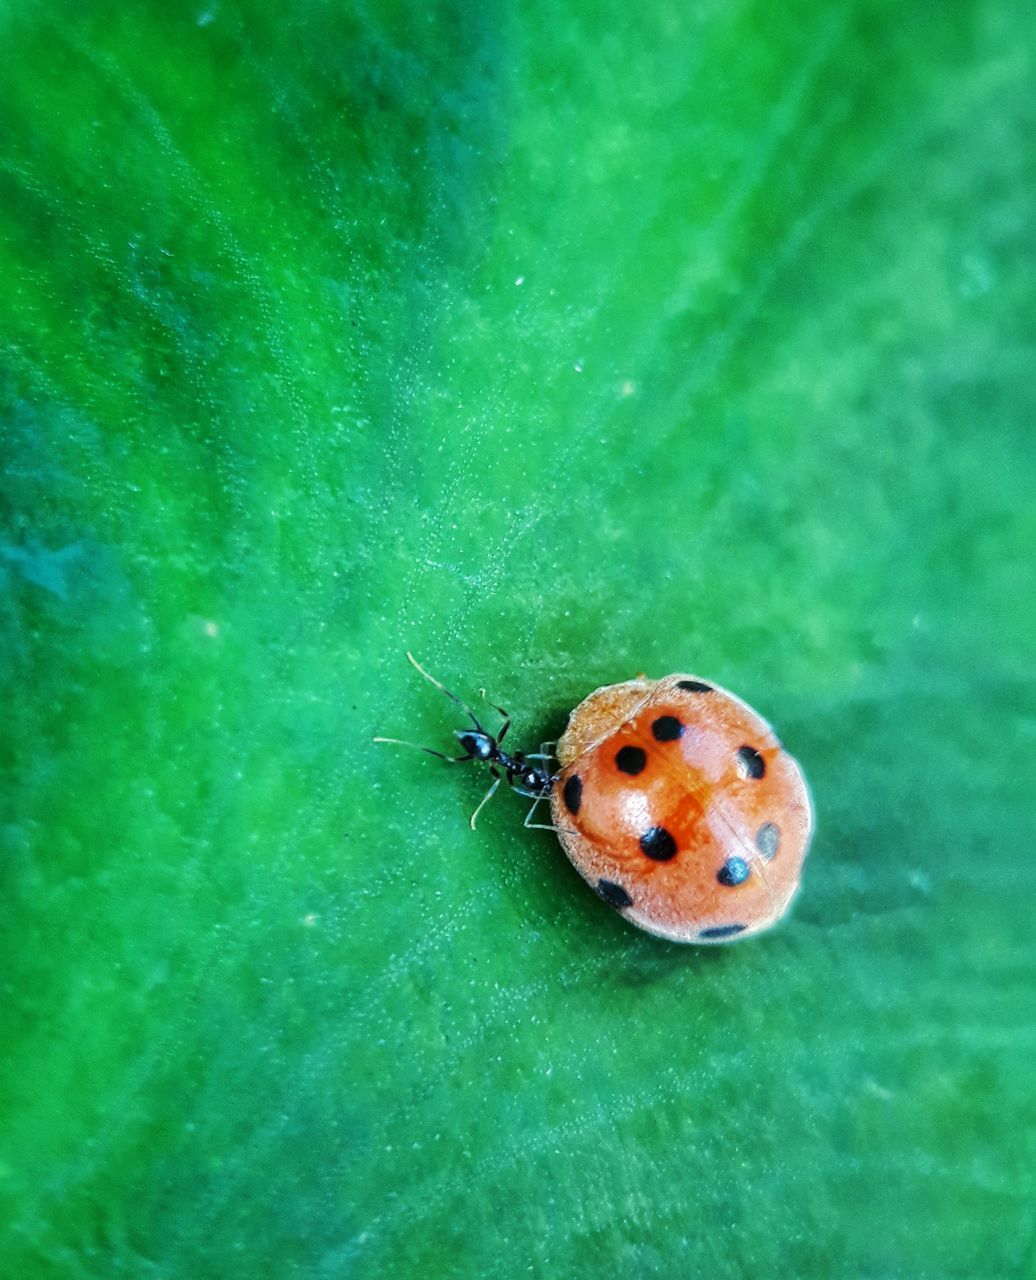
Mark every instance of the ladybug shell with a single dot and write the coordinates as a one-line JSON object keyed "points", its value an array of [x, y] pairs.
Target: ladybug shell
{"points": [[678, 805]]}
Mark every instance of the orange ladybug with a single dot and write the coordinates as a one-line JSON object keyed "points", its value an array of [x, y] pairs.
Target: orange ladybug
{"points": [[676, 802]]}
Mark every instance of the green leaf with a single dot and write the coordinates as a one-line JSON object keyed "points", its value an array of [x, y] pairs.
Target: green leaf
{"points": [[553, 342]]}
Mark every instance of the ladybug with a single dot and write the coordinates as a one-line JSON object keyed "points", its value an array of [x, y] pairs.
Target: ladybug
{"points": [[676, 802], [673, 799]]}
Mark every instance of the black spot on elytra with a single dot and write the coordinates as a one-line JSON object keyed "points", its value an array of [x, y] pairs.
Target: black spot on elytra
{"points": [[572, 793], [614, 894], [694, 686], [734, 871], [768, 840], [750, 763], [722, 931], [631, 760], [666, 729], [658, 844]]}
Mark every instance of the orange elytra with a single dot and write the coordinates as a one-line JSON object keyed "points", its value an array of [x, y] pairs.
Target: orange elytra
{"points": [[676, 802]]}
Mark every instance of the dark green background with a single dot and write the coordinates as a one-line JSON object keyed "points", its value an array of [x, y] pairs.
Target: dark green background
{"points": [[555, 342]]}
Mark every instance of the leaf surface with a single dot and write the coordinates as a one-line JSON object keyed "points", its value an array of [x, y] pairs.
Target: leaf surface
{"points": [[554, 343]]}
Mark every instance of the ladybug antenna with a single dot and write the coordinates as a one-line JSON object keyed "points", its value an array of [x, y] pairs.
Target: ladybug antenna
{"points": [[452, 696]]}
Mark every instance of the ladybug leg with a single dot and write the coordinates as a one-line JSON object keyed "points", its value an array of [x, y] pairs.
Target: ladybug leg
{"points": [[486, 798]]}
